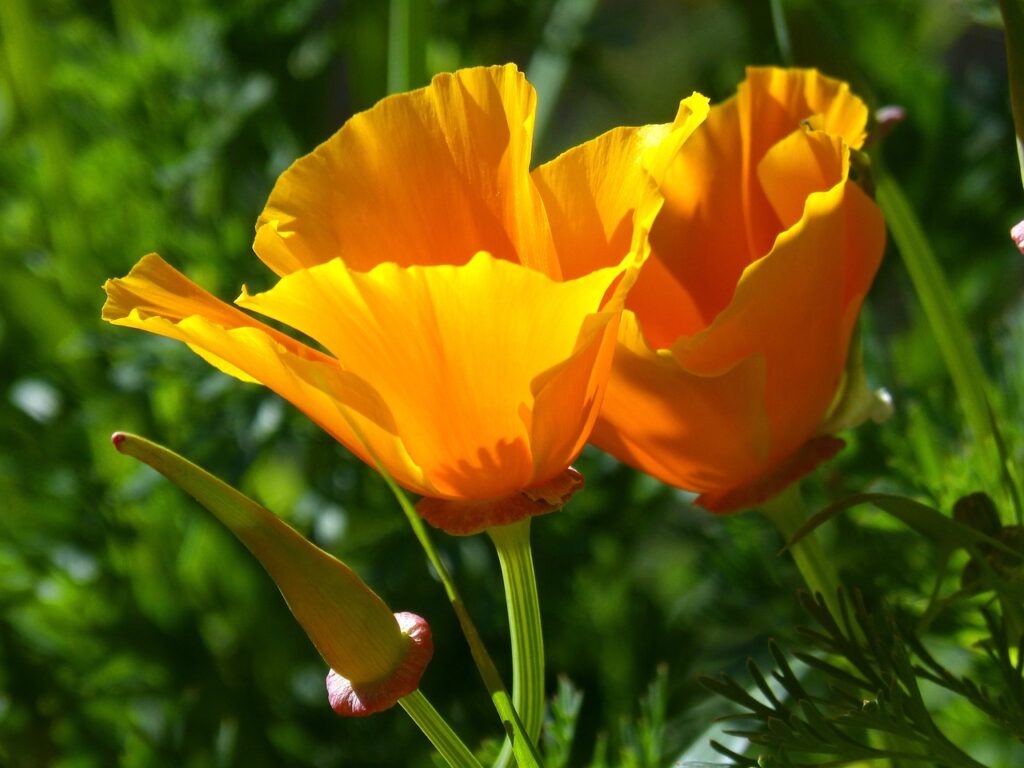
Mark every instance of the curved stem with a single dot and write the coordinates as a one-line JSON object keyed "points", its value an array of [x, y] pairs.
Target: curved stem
{"points": [[787, 512], [436, 728], [512, 543]]}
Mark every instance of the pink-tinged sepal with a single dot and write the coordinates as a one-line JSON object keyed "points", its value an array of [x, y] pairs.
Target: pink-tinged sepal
{"points": [[464, 518], [804, 461], [350, 700], [1017, 233]]}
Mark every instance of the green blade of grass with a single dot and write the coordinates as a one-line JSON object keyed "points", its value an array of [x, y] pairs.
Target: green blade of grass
{"points": [[1013, 21], [950, 332], [407, 45]]}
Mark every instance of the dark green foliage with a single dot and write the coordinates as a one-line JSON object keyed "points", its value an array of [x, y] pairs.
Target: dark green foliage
{"points": [[872, 707]]}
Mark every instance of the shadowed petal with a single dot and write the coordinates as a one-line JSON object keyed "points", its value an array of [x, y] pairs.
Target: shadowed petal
{"points": [[695, 431], [717, 217], [797, 307]]}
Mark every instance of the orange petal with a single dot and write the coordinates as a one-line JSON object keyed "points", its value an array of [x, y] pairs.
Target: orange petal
{"points": [[778, 99], [796, 167], [155, 297], [796, 307], [717, 218], [698, 241], [153, 288], [802, 462], [601, 194], [761, 256], [455, 352], [772, 103], [426, 177], [699, 432], [568, 396]]}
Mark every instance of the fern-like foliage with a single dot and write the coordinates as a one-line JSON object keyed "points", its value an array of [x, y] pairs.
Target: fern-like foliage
{"points": [[870, 706]]}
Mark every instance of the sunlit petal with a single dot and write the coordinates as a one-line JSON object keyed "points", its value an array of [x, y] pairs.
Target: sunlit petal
{"points": [[454, 352], [156, 298], [602, 194], [427, 177]]}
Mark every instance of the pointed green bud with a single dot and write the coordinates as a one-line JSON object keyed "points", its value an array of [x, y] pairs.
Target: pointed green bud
{"points": [[376, 657]]}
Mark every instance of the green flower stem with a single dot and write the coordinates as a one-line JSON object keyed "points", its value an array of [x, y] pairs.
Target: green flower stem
{"points": [[548, 67], [781, 28], [521, 744], [512, 543], [787, 513], [435, 728], [407, 44], [951, 334]]}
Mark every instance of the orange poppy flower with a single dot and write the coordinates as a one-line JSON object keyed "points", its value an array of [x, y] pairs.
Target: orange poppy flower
{"points": [[735, 337], [414, 248]]}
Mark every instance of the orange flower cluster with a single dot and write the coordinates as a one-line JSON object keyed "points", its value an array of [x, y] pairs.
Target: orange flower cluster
{"points": [[686, 291]]}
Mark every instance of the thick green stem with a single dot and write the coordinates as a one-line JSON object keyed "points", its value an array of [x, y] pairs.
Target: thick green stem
{"points": [[951, 335], [435, 728], [512, 543], [787, 512]]}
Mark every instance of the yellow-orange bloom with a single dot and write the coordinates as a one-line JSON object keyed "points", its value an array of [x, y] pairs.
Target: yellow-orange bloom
{"points": [[735, 336], [414, 247]]}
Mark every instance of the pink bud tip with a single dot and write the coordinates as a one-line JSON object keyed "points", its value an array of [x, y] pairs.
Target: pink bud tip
{"points": [[350, 700], [890, 114], [117, 438], [1017, 233], [886, 118]]}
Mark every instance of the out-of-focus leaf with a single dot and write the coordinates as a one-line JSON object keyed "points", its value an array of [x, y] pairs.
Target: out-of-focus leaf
{"points": [[947, 533], [1013, 20]]}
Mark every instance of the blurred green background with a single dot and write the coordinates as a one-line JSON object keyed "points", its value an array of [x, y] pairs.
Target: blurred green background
{"points": [[136, 632]]}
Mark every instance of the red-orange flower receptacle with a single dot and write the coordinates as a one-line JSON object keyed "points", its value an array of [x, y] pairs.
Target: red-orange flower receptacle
{"points": [[414, 247], [735, 336]]}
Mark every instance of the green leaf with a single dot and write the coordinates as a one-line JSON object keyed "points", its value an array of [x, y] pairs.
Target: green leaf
{"points": [[947, 533]]}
